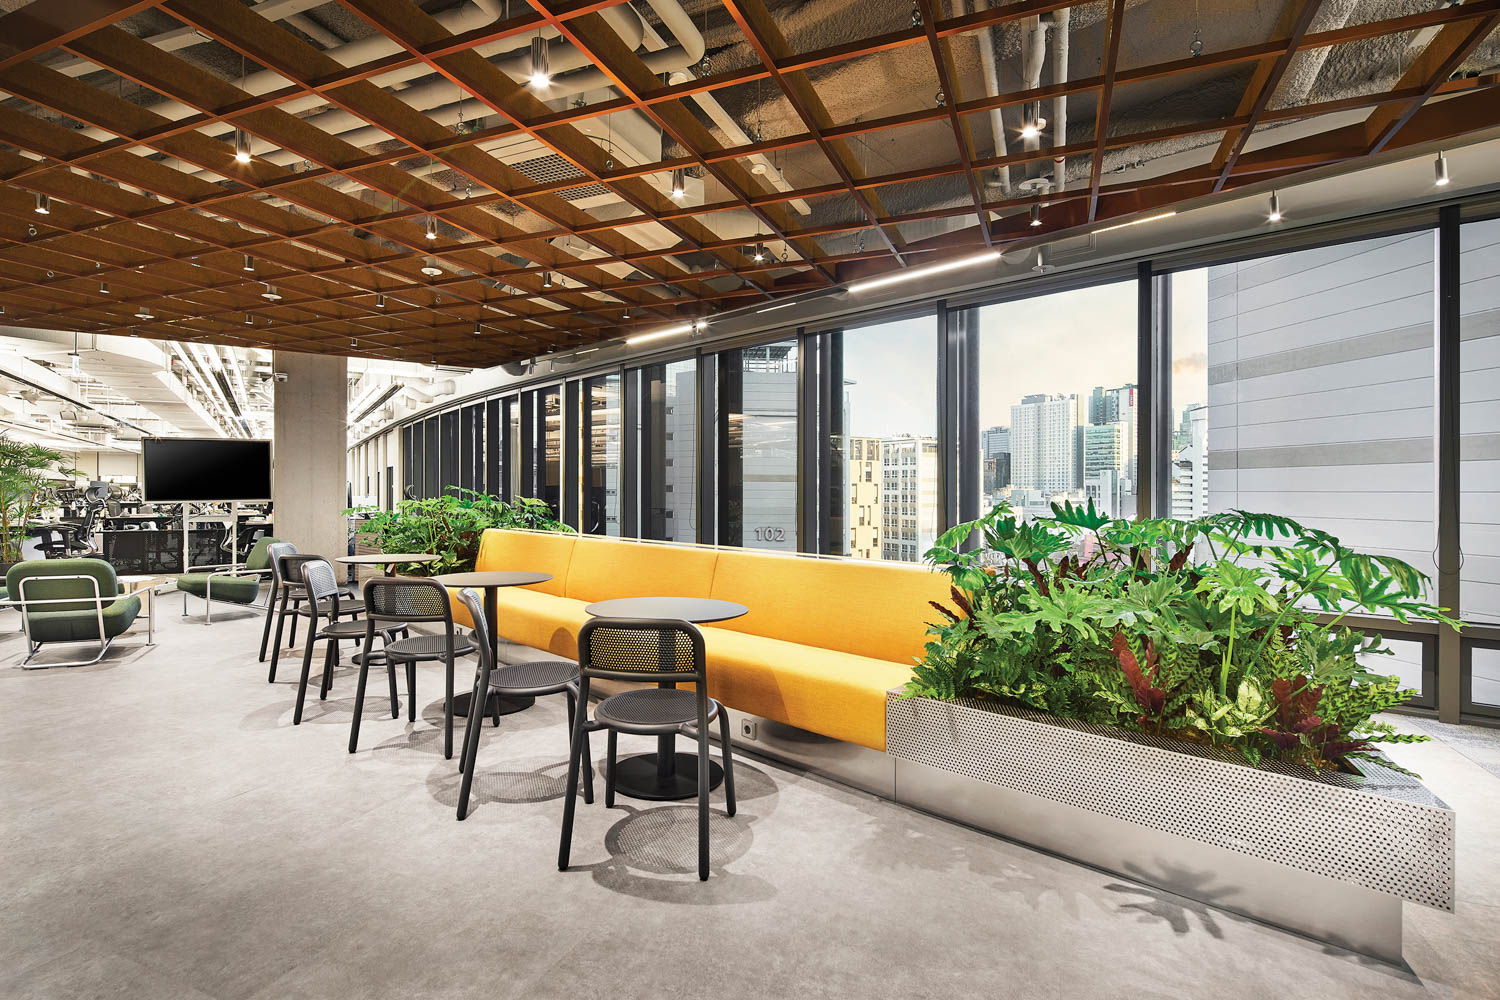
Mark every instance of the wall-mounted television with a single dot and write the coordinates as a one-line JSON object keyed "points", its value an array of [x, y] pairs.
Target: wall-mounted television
{"points": [[178, 470]]}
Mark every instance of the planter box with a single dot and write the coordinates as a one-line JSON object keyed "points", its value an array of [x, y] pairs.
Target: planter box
{"points": [[1326, 854]]}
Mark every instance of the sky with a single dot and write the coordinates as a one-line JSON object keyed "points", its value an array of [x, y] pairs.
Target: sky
{"points": [[1067, 342]]}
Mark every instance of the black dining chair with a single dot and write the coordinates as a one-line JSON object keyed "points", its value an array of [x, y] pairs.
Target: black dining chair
{"points": [[275, 551], [293, 601], [542, 677], [399, 600], [637, 649], [323, 601]]}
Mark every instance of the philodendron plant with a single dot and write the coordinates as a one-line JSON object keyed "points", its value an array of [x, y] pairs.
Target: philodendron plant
{"points": [[450, 526], [1228, 629]]}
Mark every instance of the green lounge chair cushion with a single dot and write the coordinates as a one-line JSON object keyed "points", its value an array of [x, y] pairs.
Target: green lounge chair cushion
{"points": [[235, 589], [76, 626], [74, 620]]}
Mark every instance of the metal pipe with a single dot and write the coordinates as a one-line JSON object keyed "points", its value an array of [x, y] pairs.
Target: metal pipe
{"points": [[1061, 27], [991, 89]]}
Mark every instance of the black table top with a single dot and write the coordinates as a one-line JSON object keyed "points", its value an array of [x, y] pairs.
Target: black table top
{"points": [[686, 609], [385, 558], [493, 578]]}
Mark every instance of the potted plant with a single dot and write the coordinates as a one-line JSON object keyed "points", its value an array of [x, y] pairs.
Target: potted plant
{"points": [[450, 526], [24, 473]]}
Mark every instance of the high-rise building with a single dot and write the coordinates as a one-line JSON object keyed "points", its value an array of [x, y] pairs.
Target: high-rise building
{"points": [[1046, 443], [1105, 450], [994, 447], [1190, 467], [865, 514], [767, 428], [908, 497], [1118, 405]]}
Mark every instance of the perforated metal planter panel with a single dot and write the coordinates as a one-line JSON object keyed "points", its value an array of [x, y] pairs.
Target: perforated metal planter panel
{"points": [[1383, 831]]}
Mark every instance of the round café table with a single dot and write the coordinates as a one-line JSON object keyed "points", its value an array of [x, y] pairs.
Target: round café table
{"points": [[666, 774], [490, 581]]}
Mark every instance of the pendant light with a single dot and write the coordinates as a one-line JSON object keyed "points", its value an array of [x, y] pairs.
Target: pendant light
{"points": [[43, 204], [380, 302], [103, 288], [249, 264], [546, 279], [1440, 170], [241, 146], [270, 294], [541, 63], [1275, 214], [679, 184], [1036, 214], [431, 233]]}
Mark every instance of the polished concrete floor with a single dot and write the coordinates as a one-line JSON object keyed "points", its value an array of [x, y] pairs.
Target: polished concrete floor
{"points": [[166, 832]]}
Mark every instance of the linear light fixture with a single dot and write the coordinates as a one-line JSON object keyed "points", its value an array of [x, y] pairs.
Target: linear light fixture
{"points": [[912, 274], [670, 331], [1135, 222], [775, 306]]}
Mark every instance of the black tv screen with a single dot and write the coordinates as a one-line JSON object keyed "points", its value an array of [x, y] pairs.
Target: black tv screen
{"points": [[202, 469]]}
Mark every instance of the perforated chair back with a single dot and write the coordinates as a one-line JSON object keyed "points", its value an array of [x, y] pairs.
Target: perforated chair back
{"points": [[321, 582], [274, 552], [291, 566], [641, 649], [404, 599], [471, 600]]}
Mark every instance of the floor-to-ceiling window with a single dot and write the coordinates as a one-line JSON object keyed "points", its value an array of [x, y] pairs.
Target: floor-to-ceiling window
{"points": [[1058, 401], [1302, 384], [601, 456], [1479, 456], [879, 469], [666, 450], [757, 481], [549, 447]]}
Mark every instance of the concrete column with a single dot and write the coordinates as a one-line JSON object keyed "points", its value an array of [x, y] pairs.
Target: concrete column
{"points": [[309, 470]]}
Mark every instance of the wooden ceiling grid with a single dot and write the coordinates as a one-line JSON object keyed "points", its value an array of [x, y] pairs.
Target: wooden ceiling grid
{"points": [[134, 210]]}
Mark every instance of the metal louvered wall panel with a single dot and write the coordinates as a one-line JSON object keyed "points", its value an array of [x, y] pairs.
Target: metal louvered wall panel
{"points": [[1384, 832]]}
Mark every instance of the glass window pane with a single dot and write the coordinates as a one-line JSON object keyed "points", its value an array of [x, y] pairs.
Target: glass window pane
{"points": [[1479, 416], [667, 451], [601, 493], [1484, 677], [889, 398], [1058, 400], [758, 453], [549, 448], [1317, 370]]}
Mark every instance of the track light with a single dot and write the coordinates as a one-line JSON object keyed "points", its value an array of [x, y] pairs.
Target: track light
{"points": [[546, 279], [270, 294], [1275, 214], [1036, 214], [679, 183], [249, 264], [380, 302], [921, 272], [431, 228], [541, 63], [241, 146], [43, 204], [1440, 170]]}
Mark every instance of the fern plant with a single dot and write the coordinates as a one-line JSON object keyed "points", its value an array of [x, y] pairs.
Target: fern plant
{"points": [[1207, 630]]}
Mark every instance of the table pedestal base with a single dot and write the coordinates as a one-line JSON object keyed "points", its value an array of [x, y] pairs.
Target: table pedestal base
{"points": [[507, 705], [640, 778]]}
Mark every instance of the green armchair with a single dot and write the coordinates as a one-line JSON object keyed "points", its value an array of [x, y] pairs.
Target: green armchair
{"points": [[240, 587], [67, 601]]}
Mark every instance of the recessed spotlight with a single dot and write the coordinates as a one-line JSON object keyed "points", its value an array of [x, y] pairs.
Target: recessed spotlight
{"points": [[1440, 170], [241, 146], [249, 264], [679, 184], [43, 204], [541, 63], [1275, 214], [270, 294]]}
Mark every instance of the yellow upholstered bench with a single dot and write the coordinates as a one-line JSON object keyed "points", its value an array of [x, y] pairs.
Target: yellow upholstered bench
{"points": [[823, 642]]}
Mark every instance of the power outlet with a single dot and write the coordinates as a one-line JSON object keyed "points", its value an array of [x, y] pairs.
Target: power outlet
{"points": [[748, 729]]}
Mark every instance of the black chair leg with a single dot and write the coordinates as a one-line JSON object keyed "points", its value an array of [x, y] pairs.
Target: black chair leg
{"points": [[276, 649], [477, 707], [727, 751], [702, 799], [609, 771], [494, 703], [302, 684], [330, 657], [359, 697], [411, 690], [570, 798], [588, 765], [473, 726], [390, 672], [292, 639], [265, 633]]}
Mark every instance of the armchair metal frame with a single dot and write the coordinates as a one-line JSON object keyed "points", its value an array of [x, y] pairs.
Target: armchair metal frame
{"points": [[32, 648], [237, 570]]}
